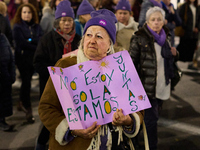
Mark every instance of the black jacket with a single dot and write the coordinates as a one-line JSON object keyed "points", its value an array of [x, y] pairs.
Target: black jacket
{"points": [[188, 24], [26, 39], [49, 51], [6, 29], [143, 54], [7, 76]]}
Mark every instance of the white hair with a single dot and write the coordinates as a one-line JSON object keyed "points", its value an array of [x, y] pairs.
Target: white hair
{"points": [[153, 10]]}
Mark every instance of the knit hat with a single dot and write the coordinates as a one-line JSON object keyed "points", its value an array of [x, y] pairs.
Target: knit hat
{"points": [[85, 8], [123, 5], [104, 18], [64, 9]]}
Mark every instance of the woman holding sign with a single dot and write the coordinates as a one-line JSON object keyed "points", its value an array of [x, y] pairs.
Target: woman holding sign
{"points": [[97, 42], [153, 58]]}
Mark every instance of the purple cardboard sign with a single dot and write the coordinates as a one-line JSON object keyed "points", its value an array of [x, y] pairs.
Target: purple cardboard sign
{"points": [[93, 90]]}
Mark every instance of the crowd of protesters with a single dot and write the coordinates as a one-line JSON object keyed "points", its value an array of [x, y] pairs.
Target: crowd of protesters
{"points": [[35, 34]]}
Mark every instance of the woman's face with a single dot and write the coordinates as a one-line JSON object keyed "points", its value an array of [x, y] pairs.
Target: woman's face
{"points": [[123, 16], [96, 43], [156, 22], [66, 24], [26, 14]]}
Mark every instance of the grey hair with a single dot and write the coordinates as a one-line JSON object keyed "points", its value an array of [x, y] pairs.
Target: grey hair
{"points": [[109, 52], [153, 10]]}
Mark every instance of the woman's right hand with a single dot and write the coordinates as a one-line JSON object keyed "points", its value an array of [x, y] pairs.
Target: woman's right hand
{"points": [[88, 133]]}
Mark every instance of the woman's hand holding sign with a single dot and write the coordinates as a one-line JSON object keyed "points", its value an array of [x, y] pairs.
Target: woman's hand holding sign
{"points": [[120, 119], [88, 133]]}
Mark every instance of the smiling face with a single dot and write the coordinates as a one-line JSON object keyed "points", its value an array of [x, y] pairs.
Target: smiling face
{"points": [[156, 22], [66, 24], [96, 43]]}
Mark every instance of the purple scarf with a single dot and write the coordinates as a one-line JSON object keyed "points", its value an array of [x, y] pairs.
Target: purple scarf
{"points": [[155, 3], [165, 52], [159, 38]]}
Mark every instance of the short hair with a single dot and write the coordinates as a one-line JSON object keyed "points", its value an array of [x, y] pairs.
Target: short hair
{"points": [[18, 19], [3, 8], [153, 10]]}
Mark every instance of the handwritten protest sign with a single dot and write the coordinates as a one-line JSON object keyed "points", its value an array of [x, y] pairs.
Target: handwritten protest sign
{"points": [[93, 90]]}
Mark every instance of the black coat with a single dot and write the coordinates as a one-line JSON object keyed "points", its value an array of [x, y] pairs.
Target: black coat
{"points": [[143, 54], [26, 39], [188, 25], [6, 29], [49, 51], [7, 76]]}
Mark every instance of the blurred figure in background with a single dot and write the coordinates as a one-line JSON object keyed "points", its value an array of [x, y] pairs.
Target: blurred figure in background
{"points": [[47, 19], [172, 17], [136, 8], [7, 78], [109, 4], [83, 13], [12, 8], [49, 16], [26, 34], [126, 25], [191, 25], [4, 23], [38, 4], [60, 40], [95, 4], [54, 4]]}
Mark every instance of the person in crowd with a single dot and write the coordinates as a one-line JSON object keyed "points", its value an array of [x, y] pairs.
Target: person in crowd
{"points": [[136, 8], [172, 17], [4, 23], [97, 42], [126, 25], [109, 4], [83, 13], [38, 4], [26, 35], [60, 40], [153, 58], [190, 15], [146, 4], [94, 3], [7, 78], [47, 19], [54, 4]]}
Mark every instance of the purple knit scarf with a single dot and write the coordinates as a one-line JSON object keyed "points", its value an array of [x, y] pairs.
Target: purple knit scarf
{"points": [[159, 38], [155, 3]]}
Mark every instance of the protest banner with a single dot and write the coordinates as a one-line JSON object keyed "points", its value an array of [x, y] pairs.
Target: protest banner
{"points": [[93, 90]]}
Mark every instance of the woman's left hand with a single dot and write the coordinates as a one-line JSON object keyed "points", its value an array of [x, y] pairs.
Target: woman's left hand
{"points": [[173, 50], [119, 119]]}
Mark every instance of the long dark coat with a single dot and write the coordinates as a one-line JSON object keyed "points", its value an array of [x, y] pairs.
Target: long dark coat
{"points": [[7, 77], [49, 51], [188, 43]]}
